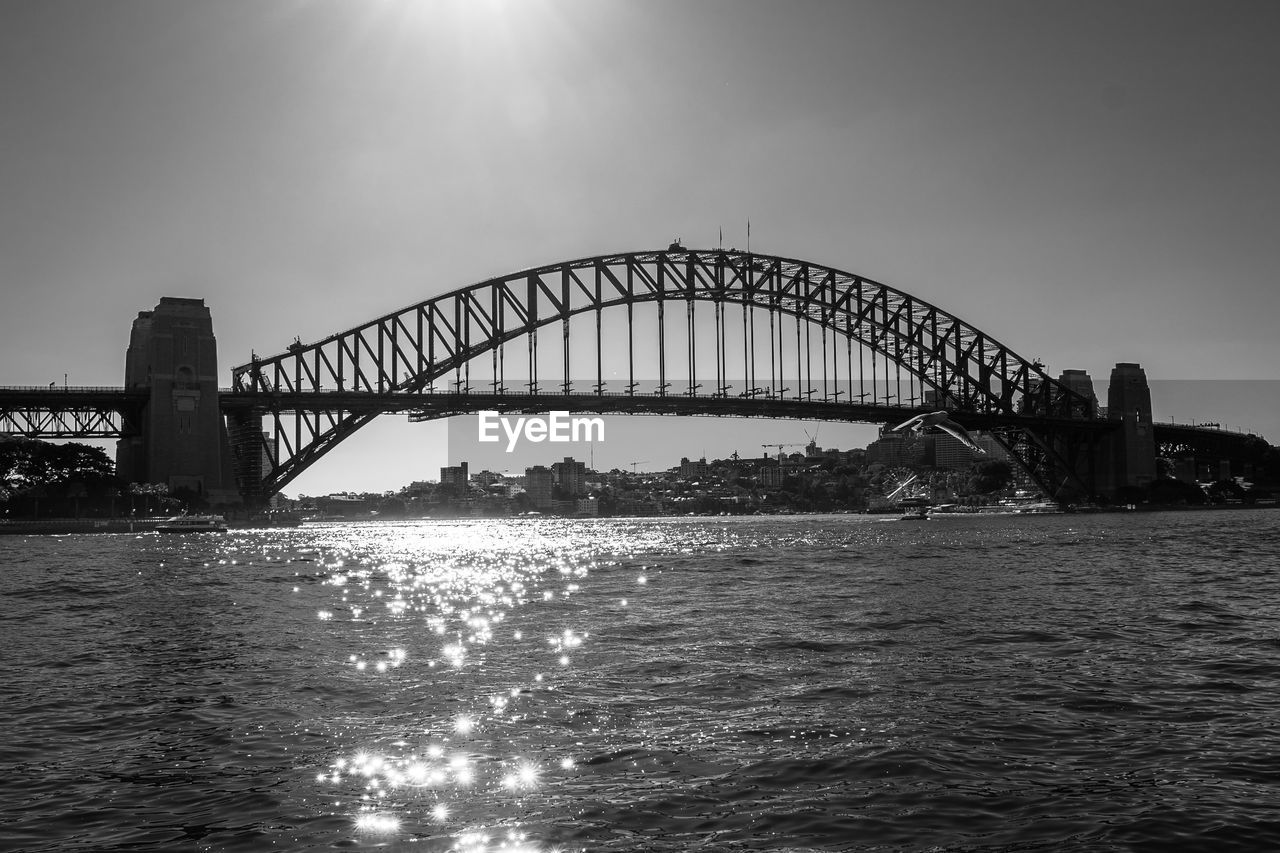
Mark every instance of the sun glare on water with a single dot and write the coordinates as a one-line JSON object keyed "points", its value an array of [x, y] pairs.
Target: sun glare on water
{"points": [[459, 695]]}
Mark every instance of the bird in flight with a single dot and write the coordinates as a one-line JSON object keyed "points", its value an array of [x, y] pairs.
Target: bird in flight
{"points": [[942, 421]]}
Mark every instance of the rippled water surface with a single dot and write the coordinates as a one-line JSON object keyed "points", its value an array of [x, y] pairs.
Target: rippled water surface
{"points": [[1099, 682]]}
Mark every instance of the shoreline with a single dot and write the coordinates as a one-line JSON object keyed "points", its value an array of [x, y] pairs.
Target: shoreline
{"points": [[63, 526]]}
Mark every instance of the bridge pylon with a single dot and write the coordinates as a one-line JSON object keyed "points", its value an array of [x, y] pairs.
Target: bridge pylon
{"points": [[182, 442], [1131, 450]]}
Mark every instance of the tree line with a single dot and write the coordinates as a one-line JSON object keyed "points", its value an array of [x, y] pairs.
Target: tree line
{"points": [[39, 479]]}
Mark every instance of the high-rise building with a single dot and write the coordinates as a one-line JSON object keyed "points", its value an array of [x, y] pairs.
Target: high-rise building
{"points": [[455, 477], [896, 448], [571, 476], [995, 450], [538, 482], [950, 452]]}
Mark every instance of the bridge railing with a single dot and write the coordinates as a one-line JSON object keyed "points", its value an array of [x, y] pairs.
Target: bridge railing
{"points": [[1202, 427], [1208, 427], [69, 388]]}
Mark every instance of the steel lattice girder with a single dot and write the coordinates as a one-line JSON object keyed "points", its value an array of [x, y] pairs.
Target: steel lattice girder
{"points": [[410, 349], [71, 412], [65, 423]]}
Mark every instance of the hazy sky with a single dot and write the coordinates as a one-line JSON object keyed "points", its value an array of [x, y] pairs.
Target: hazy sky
{"points": [[1088, 182]]}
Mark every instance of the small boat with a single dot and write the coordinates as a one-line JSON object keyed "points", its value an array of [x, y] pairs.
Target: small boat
{"points": [[193, 524]]}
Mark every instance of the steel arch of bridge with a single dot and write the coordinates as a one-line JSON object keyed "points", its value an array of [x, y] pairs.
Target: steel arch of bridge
{"points": [[334, 386]]}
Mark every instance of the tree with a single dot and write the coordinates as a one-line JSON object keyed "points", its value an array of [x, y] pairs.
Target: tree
{"points": [[1171, 491], [392, 507], [989, 475], [60, 476], [151, 493], [1221, 490], [1126, 495]]}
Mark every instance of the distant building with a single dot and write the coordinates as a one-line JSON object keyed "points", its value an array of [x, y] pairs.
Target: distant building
{"points": [[995, 450], [538, 483], [454, 477], [891, 448], [487, 478], [571, 476], [771, 476], [950, 452], [856, 456], [690, 470]]}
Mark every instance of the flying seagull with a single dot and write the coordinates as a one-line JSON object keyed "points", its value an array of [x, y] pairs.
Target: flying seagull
{"points": [[942, 421]]}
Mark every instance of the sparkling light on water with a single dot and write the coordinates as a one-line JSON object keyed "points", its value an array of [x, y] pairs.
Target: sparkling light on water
{"points": [[374, 822], [439, 598]]}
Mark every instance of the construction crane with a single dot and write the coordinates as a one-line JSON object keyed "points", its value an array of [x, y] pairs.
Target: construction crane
{"points": [[812, 447], [780, 446], [634, 464]]}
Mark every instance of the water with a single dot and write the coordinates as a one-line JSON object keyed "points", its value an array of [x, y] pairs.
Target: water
{"points": [[1104, 682]]}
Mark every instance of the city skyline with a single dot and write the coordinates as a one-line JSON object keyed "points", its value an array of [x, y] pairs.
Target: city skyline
{"points": [[1089, 183]]}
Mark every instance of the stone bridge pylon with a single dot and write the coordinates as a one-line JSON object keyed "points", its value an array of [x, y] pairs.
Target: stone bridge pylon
{"points": [[182, 440]]}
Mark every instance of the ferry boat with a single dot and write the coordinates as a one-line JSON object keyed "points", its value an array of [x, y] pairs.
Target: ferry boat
{"points": [[1040, 508], [193, 524], [914, 509]]}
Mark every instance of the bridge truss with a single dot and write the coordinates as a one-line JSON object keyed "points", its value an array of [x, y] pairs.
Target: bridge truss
{"points": [[71, 412], [676, 331]]}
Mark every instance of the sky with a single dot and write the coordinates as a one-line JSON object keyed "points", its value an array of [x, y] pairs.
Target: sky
{"points": [[1087, 182]]}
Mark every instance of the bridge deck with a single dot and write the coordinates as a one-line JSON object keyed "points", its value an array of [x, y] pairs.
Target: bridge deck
{"points": [[430, 406], [71, 412], [32, 399]]}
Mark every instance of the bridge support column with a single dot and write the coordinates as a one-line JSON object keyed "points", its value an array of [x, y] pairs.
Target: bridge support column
{"points": [[183, 442], [248, 458]]}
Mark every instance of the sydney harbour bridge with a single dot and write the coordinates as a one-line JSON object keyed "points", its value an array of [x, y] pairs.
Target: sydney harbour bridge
{"points": [[664, 332]]}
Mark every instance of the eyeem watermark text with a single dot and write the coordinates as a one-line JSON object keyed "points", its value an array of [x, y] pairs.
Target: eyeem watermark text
{"points": [[556, 427]]}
